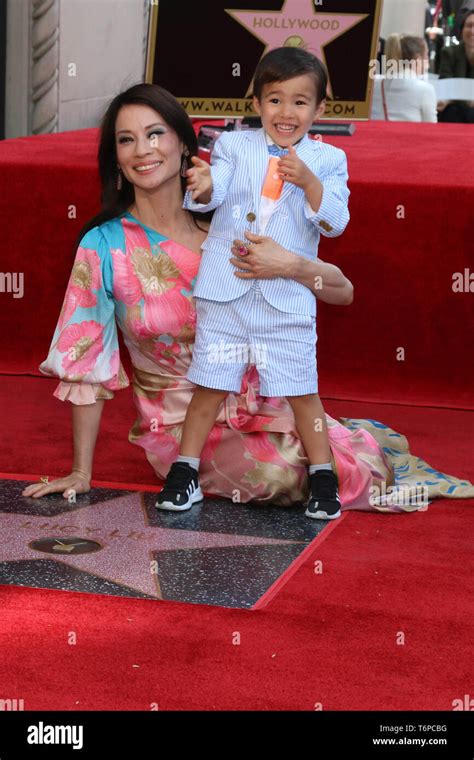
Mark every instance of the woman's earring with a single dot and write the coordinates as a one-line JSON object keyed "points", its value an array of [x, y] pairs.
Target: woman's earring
{"points": [[119, 179], [184, 165]]}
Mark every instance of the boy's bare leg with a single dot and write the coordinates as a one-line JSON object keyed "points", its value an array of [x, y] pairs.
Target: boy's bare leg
{"points": [[312, 428], [323, 502], [200, 418], [182, 488]]}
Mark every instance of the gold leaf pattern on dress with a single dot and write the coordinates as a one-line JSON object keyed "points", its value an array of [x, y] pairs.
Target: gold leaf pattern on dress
{"points": [[146, 345], [161, 383], [167, 353], [135, 326], [186, 334], [81, 275], [294, 455], [148, 384], [280, 480], [80, 347], [122, 377], [157, 274], [103, 393], [176, 432], [135, 432], [133, 314]]}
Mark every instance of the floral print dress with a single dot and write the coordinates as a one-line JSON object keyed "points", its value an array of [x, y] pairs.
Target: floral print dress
{"points": [[128, 276]]}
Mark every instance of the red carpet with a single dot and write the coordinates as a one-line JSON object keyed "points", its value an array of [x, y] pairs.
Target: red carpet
{"points": [[35, 437], [402, 268], [327, 638]]}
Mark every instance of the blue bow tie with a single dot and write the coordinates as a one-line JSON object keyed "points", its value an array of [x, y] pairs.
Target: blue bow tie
{"points": [[274, 150]]}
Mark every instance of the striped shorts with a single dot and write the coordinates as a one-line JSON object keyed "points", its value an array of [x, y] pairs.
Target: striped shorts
{"points": [[231, 335]]}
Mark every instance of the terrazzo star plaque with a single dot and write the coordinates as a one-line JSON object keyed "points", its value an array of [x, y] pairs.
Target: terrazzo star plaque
{"points": [[226, 42], [116, 542]]}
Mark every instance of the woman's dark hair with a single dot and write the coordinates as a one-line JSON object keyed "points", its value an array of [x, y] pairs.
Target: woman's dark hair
{"points": [[465, 12], [285, 63], [115, 202]]}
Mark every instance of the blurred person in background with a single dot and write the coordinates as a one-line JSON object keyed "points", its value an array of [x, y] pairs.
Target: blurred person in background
{"points": [[435, 23], [458, 61], [401, 92]]}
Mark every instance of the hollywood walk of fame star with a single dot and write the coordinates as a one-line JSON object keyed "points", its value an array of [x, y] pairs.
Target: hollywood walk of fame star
{"points": [[297, 24], [121, 527]]}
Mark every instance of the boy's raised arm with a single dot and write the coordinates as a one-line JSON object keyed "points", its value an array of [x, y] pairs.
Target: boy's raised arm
{"points": [[210, 185]]}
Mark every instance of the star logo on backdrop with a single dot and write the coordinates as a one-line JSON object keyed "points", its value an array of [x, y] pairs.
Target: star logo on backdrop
{"points": [[297, 24]]}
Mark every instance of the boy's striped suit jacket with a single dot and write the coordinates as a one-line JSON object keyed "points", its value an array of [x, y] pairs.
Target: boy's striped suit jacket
{"points": [[239, 166]]}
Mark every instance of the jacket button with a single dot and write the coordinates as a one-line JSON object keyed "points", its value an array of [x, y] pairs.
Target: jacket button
{"points": [[325, 226], [251, 216]]}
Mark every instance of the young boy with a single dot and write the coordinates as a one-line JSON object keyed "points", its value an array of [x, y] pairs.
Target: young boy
{"points": [[276, 315]]}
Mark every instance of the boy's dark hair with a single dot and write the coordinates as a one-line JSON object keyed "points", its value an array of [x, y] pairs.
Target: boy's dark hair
{"points": [[285, 63]]}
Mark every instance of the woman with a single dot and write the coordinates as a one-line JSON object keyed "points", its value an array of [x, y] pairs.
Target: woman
{"points": [[458, 61], [134, 268], [400, 94]]}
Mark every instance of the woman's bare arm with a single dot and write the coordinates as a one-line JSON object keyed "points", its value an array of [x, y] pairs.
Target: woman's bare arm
{"points": [[267, 259], [326, 281], [85, 425]]}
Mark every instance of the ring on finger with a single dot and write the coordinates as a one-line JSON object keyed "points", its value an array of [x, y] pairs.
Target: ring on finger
{"points": [[44, 479]]}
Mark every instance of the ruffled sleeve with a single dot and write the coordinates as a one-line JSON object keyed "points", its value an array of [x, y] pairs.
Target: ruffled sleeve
{"points": [[84, 352]]}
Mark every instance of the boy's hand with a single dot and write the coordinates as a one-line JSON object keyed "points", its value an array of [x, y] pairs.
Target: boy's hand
{"points": [[293, 169], [199, 180]]}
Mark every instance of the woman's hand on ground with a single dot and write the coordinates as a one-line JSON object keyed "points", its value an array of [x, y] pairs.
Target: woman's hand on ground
{"points": [[76, 482]]}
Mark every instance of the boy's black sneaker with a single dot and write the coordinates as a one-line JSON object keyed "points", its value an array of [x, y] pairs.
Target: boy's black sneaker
{"points": [[323, 503], [181, 489]]}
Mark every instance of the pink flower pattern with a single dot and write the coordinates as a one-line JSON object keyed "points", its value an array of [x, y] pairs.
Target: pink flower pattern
{"points": [[85, 279], [157, 280], [82, 344]]}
